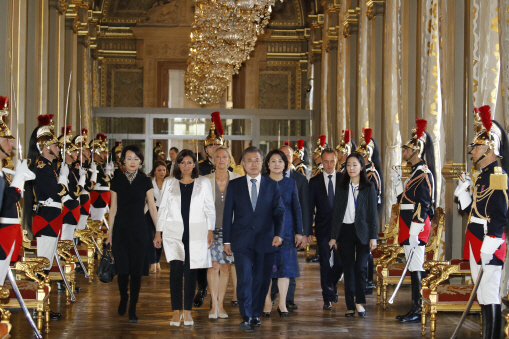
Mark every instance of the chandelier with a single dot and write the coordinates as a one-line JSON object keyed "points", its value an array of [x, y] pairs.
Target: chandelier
{"points": [[223, 35]]}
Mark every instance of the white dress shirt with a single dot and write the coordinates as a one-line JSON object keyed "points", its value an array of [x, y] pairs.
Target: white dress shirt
{"points": [[157, 192], [350, 207], [249, 184], [326, 179]]}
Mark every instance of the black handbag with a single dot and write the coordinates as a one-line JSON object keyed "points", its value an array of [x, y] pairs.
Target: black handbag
{"points": [[106, 269]]}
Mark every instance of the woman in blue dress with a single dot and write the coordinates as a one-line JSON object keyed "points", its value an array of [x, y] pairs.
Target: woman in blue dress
{"points": [[285, 265]]}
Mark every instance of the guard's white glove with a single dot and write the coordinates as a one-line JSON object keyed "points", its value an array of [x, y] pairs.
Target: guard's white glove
{"points": [[413, 241], [63, 177], [396, 180], [462, 191], [108, 169], [21, 175], [83, 177], [93, 170], [489, 246]]}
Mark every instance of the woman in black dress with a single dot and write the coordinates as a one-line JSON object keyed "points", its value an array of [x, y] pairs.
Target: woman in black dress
{"points": [[131, 238]]}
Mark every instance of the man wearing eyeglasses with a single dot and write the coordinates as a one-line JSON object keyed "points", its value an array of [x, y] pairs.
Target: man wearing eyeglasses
{"points": [[252, 229]]}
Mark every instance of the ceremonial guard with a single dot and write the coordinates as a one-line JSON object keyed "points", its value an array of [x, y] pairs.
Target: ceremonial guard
{"points": [[371, 154], [298, 158], [317, 155], [116, 151], [157, 152], [48, 188], [212, 141], [485, 199], [344, 149], [100, 195], [12, 190], [84, 159], [416, 199]]}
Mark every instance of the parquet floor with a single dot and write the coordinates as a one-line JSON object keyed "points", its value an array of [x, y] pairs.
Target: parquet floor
{"points": [[94, 315]]}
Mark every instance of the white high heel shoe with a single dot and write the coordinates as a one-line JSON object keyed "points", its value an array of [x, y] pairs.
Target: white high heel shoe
{"points": [[188, 323], [177, 323], [214, 315]]}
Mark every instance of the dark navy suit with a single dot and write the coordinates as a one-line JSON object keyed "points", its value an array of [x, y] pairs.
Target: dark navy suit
{"points": [[250, 234]]}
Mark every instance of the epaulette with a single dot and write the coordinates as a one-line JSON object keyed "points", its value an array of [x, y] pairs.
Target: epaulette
{"points": [[498, 180], [40, 164], [77, 165], [200, 161], [425, 169]]}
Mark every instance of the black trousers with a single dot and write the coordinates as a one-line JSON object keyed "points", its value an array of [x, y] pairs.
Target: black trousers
{"points": [[179, 270], [329, 276], [354, 255]]}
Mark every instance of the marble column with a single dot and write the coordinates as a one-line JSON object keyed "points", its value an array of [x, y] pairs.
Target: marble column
{"points": [[71, 65], [324, 88], [350, 28]]}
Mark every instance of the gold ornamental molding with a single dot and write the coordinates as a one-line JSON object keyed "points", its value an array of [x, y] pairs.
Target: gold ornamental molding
{"points": [[351, 22], [321, 19], [375, 7], [331, 39], [114, 32], [288, 35], [453, 170]]}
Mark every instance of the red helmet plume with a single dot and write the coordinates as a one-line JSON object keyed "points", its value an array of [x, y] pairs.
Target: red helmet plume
{"points": [[420, 127], [322, 139], [300, 143], [216, 119], [347, 136], [367, 135], [485, 115], [66, 131], [159, 143], [4, 102], [100, 136], [287, 143], [44, 120], [84, 131]]}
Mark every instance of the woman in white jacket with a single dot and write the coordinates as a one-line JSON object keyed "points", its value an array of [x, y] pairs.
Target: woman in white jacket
{"points": [[186, 218]]}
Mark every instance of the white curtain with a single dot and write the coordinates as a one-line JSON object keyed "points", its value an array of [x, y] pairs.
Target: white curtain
{"points": [[362, 82], [392, 97], [504, 56]]}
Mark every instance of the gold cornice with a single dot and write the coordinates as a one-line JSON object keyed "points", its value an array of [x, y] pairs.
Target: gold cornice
{"points": [[298, 56], [453, 170], [288, 35], [114, 32], [320, 19], [331, 39], [351, 22], [375, 7]]}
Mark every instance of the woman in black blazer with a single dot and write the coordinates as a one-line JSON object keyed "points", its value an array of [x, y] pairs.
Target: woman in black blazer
{"points": [[355, 230]]}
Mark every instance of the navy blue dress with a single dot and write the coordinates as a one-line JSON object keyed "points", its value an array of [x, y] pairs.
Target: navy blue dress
{"points": [[286, 264]]}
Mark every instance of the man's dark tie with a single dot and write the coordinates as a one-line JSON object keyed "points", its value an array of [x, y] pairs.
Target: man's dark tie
{"points": [[254, 194], [330, 192]]}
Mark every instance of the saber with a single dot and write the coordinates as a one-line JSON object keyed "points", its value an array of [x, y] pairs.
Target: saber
{"points": [[65, 117], [73, 298], [97, 246], [17, 122], [106, 223], [469, 305], [22, 304], [391, 300], [81, 151], [81, 261]]}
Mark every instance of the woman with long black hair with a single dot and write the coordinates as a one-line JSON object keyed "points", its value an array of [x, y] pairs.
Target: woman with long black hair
{"points": [[355, 230]]}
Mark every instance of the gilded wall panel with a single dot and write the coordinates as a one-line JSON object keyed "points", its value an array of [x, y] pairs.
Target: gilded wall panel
{"points": [[280, 85], [121, 83]]}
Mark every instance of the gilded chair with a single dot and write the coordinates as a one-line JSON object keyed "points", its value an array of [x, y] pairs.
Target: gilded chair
{"points": [[64, 249], [388, 236], [86, 250], [438, 295], [389, 272]]}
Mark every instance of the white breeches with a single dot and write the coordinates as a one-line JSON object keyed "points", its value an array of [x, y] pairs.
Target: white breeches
{"points": [[46, 247], [489, 288], [417, 258], [67, 232], [97, 213], [82, 223]]}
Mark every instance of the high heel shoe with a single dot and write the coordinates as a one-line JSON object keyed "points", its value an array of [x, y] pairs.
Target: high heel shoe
{"points": [[266, 314], [177, 323], [283, 314], [213, 315], [222, 315], [188, 323]]}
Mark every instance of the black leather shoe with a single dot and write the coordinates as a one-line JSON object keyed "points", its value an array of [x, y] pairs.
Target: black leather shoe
{"points": [[266, 314], [257, 322], [235, 303], [399, 317], [291, 306], [283, 314], [77, 290], [370, 284], [247, 325], [198, 298], [327, 306], [336, 295], [350, 313], [132, 314], [78, 268], [316, 258], [361, 314], [55, 315]]}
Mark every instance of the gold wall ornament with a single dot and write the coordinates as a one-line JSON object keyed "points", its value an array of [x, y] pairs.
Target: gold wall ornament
{"points": [[351, 22], [453, 170], [375, 7]]}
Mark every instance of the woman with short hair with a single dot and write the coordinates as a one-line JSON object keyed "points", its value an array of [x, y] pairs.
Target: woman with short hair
{"points": [[186, 218], [129, 233]]}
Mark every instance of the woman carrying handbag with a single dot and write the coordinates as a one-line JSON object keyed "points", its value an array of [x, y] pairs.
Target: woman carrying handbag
{"points": [[355, 230]]}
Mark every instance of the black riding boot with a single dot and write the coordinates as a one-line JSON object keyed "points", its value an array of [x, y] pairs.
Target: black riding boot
{"points": [[415, 315], [123, 282], [135, 292], [484, 319], [399, 317], [493, 321]]}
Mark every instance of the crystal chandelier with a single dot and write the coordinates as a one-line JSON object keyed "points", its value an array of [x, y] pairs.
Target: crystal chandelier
{"points": [[223, 35]]}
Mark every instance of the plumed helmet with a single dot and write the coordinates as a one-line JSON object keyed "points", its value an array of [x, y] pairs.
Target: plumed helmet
{"points": [[418, 140], [345, 146], [215, 136], [299, 149], [5, 132], [366, 144], [321, 145], [489, 134]]}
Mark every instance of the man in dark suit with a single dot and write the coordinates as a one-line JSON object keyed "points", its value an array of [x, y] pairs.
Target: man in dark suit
{"points": [[303, 191], [170, 164], [322, 191], [253, 229]]}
